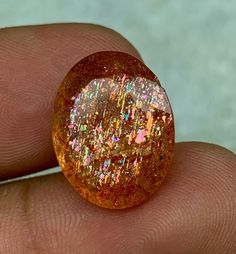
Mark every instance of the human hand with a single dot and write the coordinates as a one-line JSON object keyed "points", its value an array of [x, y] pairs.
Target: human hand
{"points": [[194, 211]]}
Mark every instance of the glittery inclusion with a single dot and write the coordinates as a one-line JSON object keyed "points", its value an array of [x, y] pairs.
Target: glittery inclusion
{"points": [[113, 130]]}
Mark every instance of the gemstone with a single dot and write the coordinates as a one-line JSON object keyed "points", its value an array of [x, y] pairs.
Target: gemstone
{"points": [[113, 130]]}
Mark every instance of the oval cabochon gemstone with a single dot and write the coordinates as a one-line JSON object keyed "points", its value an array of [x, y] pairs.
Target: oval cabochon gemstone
{"points": [[113, 130]]}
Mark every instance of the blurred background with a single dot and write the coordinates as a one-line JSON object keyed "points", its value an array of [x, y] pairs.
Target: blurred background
{"points": [[190, 45]]}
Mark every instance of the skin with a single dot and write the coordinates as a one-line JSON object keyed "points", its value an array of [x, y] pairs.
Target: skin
{"points": [[194, 211]]}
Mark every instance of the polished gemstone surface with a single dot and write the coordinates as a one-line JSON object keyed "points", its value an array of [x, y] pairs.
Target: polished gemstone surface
{"points": [[113, 130]]}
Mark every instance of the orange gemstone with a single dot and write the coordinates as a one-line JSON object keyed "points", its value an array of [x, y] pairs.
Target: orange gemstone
{"points": [[113, 130]]}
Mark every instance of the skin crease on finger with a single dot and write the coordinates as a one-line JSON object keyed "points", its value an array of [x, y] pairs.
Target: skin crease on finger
{"points": [[193, 212], [33, 63]]}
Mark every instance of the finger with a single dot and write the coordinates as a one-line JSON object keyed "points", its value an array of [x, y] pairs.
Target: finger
{"points": [[33, 62], [193, 212]]}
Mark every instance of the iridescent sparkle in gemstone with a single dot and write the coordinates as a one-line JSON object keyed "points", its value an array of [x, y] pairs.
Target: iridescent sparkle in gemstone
{"points": [[113, 130]]}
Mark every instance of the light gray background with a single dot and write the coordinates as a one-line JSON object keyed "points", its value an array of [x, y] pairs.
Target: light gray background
{"points": [[190, 45]]}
